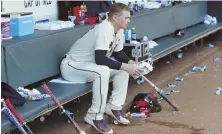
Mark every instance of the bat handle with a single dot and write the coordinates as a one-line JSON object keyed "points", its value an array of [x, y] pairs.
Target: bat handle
{"points": [[61, 107], [52, 96], [11, 117], [11, 107]]}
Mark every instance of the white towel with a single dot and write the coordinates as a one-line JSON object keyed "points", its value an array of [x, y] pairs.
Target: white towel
{"points": [[54, 25], [152, 5], [152, 44], [33, 94]]}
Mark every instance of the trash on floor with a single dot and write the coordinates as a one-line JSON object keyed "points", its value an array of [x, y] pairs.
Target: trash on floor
{"points": [[195, 68], [173, 85], [171, 91], [218, 90], [71, 114], [168, 62], [189, 73], [210, 45], [203, 68], [137, 115], [216, 59], [174, 91], [165, 92], [180, 53], [160, 99], [179, 79]]}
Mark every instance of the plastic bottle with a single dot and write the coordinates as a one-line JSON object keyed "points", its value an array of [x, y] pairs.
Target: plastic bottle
{"points": [[126, 34], [203, 68], [140, 80], [82, 15], [138, 115], [133, 33], [129, 36], [142, 4], [218, 90], [179, 79]]}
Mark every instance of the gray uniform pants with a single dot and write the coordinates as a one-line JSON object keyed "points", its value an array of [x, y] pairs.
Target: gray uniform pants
{"points": [[80, 72]]}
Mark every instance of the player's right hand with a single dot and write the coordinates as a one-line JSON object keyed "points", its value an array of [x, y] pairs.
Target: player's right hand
{"points": [[132, 69]]}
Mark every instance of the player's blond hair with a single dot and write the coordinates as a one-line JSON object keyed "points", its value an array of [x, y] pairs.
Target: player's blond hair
{"points": [[117, 8]]}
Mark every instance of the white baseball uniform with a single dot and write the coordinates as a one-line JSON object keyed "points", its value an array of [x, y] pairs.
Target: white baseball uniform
{"points": [[79, 66]]}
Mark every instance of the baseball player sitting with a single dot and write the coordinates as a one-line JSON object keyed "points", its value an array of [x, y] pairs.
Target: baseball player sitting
{"points": [[98, 57]]}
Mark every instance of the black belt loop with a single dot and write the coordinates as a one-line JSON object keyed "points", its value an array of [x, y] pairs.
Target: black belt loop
{"points": [[65, 56]]}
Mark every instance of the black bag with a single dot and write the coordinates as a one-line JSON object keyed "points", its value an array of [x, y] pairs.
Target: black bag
{"points": [[8, 92], [145, 100]]}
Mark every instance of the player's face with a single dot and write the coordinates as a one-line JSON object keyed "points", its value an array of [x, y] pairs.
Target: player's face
{"points": [[123, 19]]}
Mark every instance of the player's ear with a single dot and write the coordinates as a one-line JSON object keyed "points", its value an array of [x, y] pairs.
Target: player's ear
{"points": [[115, 17]]}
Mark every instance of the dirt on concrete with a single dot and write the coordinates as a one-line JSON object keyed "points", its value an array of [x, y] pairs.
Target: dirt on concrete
{"points": [[200, 106]]}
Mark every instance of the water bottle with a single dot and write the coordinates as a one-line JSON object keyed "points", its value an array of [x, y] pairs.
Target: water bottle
{"points": [[126, 36], [203, 68], [170, 3], [138, 115], [82, 15], [133, 33], [142, 4], [129, 36], [218, 90]]}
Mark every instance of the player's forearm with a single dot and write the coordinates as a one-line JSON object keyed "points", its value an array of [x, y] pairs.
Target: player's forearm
{"points": [[102, 59], [121, 56]]}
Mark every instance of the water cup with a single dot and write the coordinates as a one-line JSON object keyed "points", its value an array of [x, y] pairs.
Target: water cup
{"points": [[72, 18]]}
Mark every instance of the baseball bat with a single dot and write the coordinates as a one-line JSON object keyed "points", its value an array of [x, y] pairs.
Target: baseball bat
{"points": [[75, 125], [161, 94], [20, 119], [12, 118]]}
